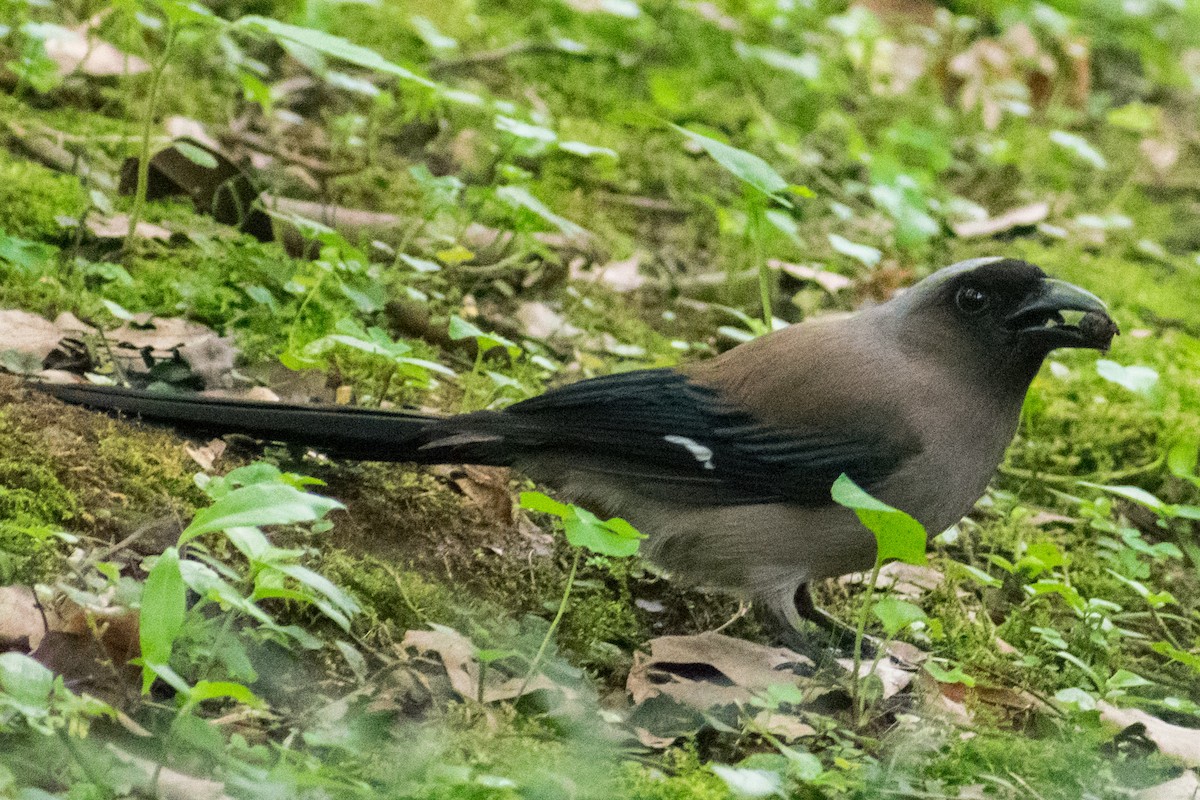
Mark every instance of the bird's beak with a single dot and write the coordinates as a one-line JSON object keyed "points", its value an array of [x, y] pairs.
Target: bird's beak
{"points": [[1041, 317]]}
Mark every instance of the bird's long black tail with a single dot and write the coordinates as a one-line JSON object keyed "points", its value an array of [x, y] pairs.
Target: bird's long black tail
{"points": [[340, 431]]}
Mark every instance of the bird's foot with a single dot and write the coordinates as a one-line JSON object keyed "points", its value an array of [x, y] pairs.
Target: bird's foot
{"points": [[808, 628]]}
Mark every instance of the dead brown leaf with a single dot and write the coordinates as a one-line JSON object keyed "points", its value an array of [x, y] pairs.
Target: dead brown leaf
{"points": [[895, 675], [905, 581], [78, 50], [787, 727], [620, 276], [487, 488], [831, 282], [710, 669], [116, 226], [30, 333], [456, 654], [1021, 217], [22, 625], [91, 647], [1173, 740], [1161, 154], [207, 455], [1185, 787], [542, 322], [164, 783]]}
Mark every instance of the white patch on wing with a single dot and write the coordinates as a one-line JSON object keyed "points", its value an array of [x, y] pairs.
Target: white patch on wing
{"points": [[699, 452], [457, 439]]}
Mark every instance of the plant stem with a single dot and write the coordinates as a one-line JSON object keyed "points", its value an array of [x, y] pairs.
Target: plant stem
{"points": [[864, 612], [562, 607], [143, 177], [754, 226]]}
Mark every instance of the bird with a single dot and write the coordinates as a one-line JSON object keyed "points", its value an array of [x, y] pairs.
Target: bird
{"points": [[727, 464]]}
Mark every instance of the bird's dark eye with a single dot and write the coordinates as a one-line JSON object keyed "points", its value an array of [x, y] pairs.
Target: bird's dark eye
{"points": [[971, 300]]}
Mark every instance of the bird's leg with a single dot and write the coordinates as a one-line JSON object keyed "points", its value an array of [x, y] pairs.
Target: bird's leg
{"points": [[786, 624], [743, 609], [841, 635]]}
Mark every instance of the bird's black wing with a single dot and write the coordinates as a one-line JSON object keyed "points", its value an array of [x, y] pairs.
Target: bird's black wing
{"points": [[671, 437], [676, 439]]}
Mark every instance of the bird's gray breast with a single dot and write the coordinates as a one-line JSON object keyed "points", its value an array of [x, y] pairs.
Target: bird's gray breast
{"points": [[964, 434]]}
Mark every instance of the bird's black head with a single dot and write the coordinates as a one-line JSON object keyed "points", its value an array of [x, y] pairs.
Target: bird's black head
{"points": [[1003, 315]]}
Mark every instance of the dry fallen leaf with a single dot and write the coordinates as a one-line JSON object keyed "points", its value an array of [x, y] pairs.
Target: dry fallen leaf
{"points": [[158, 781], [894, 675], [831, 282], [543, 322], [1161, 154], [1173, 740], [76, 49], [456, 653], [905, 581], [785, 726], [1185, 787], [116, 226], [1022, 217], [710, 669], [620, 276], [207, 455], [487, 489], [30, 333], [22, 625]]}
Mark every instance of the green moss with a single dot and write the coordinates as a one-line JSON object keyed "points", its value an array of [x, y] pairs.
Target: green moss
{"points": [[33, 505], [682, 777], [33, 196], [64, 466], [29, 553], [1060, 766], [396, 597]]}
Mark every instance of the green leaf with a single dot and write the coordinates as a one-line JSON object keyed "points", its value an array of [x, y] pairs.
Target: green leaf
{"points": [[1124, 679], [421, 264], [1183, 455], [1079, 147], [864, 254], [164, 605], [182, 12], [332, 46], [536, 501], [896, 615], [806, 65], [259, 504], [1077, 698], [461, 329], [1191, 660], [981, 577], [320, 583], [616, 537], [29, 685], [1153, 599], [197, 155], [368, 297], [1136, 116], [1133, 493], [1137, 379], [222, 690], [952, 675], [585, 150], [524, 130], [897, 535], [746, 167], [27, 256], [431, 35], [519, 197]]}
